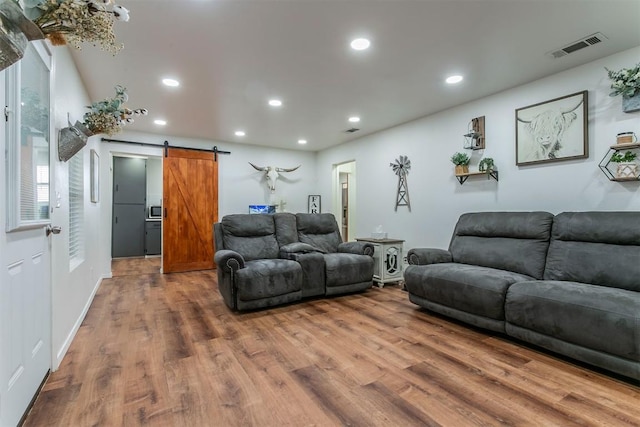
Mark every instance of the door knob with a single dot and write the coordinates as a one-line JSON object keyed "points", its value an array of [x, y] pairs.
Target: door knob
{"points": [[53, 230]]}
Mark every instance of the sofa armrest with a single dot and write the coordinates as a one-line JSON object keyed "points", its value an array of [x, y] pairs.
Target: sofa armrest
{"points": [[292, 250], [228, 261], [425, 256], [359, 248]]}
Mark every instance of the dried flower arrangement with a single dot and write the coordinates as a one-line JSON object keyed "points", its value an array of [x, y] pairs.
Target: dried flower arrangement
{"points": [[77, 21], [110, 115]]}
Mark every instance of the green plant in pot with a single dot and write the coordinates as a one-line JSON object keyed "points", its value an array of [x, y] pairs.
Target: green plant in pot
{"points": [[626, 82], [627, 168], [461, 160], [486, 165]]}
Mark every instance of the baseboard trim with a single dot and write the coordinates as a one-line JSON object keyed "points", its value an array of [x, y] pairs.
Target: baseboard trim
{"points": [[72, 334]]}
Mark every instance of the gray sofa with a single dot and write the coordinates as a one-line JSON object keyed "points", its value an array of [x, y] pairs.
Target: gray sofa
{"points": [[267, 260], [569, 283]]}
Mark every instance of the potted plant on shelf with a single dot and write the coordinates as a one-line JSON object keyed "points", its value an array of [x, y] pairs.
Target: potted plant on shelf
{"points": [[626, 82], [627, 167], [486, 165], [461, 160]]}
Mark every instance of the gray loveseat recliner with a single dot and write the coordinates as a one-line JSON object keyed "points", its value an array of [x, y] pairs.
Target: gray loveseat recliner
{"points": [[569, 283], [267, 260]]}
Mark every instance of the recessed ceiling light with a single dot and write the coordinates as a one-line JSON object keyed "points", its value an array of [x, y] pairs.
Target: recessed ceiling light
{"points": [[354, 119], [360, 44], [302, 141], [275, 102], [454, 79], [170, 82], [160, 122], [240, 133]]}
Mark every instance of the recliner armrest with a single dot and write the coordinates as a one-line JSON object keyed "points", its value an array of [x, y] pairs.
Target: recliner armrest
{"points": [[425, 256], [297, 248], [359, 248], [229, 261]]}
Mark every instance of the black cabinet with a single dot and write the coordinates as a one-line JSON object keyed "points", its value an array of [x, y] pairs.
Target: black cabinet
{"points": [[129, 207], [129, 180], [128, 230], [153, 237]]}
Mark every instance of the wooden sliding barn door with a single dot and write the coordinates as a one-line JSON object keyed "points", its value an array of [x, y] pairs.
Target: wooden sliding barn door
{"points": [[190, 193]]}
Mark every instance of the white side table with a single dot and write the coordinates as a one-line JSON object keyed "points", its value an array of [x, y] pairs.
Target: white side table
{"points": [[387, 258]]}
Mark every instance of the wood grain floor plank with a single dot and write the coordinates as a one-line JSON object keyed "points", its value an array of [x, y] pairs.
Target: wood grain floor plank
{"points": [[164, 350], [287, 401], [335, 401]]}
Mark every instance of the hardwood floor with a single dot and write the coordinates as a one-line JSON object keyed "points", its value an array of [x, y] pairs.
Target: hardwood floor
{"points": [[164, 350]]}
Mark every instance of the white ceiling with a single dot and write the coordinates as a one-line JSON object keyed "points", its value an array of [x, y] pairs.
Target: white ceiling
{"points": [[231, 56]]}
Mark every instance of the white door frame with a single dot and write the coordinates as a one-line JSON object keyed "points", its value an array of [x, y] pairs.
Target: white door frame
{"points": [[348, 167]]}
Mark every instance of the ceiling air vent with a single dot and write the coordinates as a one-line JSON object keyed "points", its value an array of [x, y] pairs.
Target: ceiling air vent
{"points": [[577, 45], [352, 130]]}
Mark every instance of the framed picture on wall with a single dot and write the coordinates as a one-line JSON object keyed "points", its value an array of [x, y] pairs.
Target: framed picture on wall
{"points": [[314, 204], [553, 130], [94, 167]]}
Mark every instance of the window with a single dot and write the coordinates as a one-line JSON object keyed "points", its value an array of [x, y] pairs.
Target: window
{"points": [[28, 135], [76, 210]]}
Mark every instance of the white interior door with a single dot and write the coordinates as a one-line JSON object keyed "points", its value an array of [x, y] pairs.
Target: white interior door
{"points": [[25, 207]]}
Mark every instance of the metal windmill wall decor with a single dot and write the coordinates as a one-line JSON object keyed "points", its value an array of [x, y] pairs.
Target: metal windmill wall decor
{"points": [[401, 168]]}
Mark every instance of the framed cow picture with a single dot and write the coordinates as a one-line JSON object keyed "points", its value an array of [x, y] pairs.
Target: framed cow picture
{"points": [[553, 130]]}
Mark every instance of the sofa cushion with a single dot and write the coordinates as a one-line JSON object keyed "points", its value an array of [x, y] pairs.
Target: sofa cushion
{"points": [[600, 248], [473, 289], [512, 241], [319, 230], [266, 278], [252, 236], [286, 231], [596, 317], [346, 269]]}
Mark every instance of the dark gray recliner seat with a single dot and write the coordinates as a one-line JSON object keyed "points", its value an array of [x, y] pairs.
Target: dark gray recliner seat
{"points": [[489, 251], [268, 260], [584, 303], [250, 273], [588, 305], [348, 266]]}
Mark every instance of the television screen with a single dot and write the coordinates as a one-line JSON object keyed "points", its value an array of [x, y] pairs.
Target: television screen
{"points": [[262, 209]]}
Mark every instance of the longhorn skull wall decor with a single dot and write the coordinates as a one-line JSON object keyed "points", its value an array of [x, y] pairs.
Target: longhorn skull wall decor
{"points": [[272, 173]]}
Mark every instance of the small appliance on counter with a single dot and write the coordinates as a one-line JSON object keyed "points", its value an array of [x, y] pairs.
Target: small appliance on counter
{"points": [[155, 212]]}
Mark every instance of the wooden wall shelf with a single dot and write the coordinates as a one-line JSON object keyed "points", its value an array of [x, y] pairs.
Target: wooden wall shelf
{"points": [[462, 177], [606, 160]]}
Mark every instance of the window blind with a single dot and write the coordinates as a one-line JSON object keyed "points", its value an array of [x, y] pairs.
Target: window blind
{"points": [[76, 211]]}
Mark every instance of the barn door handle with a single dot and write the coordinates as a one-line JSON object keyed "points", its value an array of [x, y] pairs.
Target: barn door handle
{"points": [[53, 230]]}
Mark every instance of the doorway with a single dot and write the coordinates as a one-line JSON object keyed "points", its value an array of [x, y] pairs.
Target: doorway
{"points": [[344, 197], [136, 227]]}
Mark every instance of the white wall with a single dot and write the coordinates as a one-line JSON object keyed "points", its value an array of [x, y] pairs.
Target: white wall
{"points": [[72, 290], [154, 181], [437, 199], [239, 184]]}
